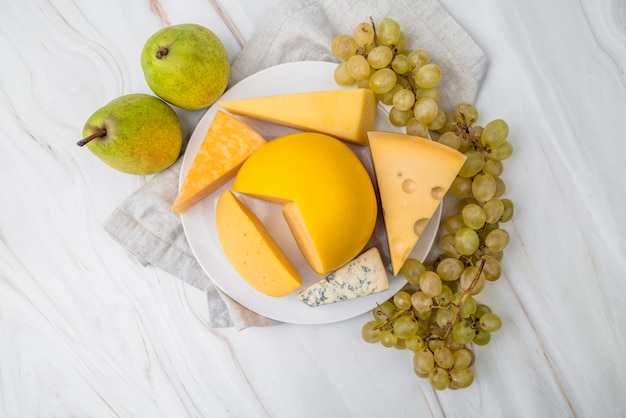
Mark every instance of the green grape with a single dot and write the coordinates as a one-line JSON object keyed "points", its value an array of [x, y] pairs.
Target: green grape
{"points": [[460, 186], [492, 268], [434, 93], [483, 187], [412, 269], [416, 128], [444, 357], [509, 208], [414, 342], [343, 47], [482, 337], [402, 300], [444, 298], [370, 333], [466, 241], [467, 145], [465, 201], [401, 44], [493, 167], [466, 114], [400, 344], [461, 378], [387, 98], [400, 64], [475, 132], [450, 269], [495, 133], [430, 283], [404, 99], [467, 279], [399, 117], [493, 208], [473, 164], [463, 333], [421, 302], [490, 322], [463, 357], [358, 67], [444, 317], [383, 311], [468, 308], [382, 80], [453, 223], [500, 186], [389, 31], [450, 139], [435, 343], [439, 378], [473, 216], [418, 58], [497, 240], [423, 361], [425, 109], [380, 56], [448, 245], [481, 309], [405, 326], [501, 152], [342, 75], [439, 121], [388, 338], [450, 124], [428, 76], [364, 34]]}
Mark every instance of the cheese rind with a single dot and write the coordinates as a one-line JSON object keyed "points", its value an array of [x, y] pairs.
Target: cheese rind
{"points": [[346, 114], [365, 275], [329, 198], [251, 250], [226, 145], [413, 175]]}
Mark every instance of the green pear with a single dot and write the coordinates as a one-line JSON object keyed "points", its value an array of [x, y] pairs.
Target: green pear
{"points": [[186, 65], [135, 133]]}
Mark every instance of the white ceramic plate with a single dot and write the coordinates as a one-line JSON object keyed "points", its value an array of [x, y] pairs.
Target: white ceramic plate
{"points": [[199, 220]]}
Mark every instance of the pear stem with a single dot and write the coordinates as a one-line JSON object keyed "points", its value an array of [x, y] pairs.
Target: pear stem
{"points": [[99, 133], [162, 52]]}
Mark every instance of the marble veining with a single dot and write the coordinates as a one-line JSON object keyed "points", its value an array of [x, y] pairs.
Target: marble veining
{"points": [[85, 330]]}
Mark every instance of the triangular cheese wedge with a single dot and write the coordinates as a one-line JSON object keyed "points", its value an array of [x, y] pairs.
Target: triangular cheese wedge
{"points": [[251, 250], [413, 175], [365, 275], [226, 145], [345, 114]]}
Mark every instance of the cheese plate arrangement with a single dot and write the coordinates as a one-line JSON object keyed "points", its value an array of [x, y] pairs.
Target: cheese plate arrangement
{"points": [[199, 220]]}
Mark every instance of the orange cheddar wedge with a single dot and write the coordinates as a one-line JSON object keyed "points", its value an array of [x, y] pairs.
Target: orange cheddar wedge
{"points": [[227, 144]]}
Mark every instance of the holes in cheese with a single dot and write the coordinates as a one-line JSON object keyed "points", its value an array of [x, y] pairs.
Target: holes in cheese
{"points": [[251, 250], [345, 114], [226, 145], [413, 176], [330, 202]]}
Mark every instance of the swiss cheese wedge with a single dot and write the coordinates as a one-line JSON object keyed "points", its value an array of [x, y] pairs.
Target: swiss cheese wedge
{"points": [[226, 145], [329, 199], [251, 250], [413, 175], [345, 114]]}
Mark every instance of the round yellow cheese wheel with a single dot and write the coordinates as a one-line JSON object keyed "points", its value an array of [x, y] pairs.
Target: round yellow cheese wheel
{"points": [[329, 200]]}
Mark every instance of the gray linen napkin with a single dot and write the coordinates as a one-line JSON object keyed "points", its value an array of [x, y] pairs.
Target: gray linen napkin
{"points": [[297, 30]]}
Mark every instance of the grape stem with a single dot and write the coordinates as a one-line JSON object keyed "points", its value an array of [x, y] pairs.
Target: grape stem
{"points": [[390, 320], [466, 295]]}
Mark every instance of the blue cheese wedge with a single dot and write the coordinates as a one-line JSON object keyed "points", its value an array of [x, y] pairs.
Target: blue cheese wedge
{"points": [[365, 275]]}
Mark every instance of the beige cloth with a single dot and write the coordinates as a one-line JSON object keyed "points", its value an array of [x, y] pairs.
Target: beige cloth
{"points": [[296, 31]]}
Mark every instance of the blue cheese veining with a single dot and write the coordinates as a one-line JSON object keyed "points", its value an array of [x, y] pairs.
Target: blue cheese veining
{"points": [[365, 275]]}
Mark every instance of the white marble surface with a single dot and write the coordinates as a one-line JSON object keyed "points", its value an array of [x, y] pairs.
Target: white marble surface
{"points": [[86, 331]]}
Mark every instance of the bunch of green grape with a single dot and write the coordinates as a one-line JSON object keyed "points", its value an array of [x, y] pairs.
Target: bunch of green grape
{"points": [[377, 58], [437, 315]]}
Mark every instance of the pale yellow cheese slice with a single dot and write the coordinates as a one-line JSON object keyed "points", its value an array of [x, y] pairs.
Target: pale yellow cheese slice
{"points": [[251, 250], [226, 145], [346, 114], [413, 175]]}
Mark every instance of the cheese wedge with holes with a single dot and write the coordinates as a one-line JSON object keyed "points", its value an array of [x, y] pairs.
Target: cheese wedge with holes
{"points": [[226, 145], [413, 175], [346, 114], [328, 196], [251, 250]]}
